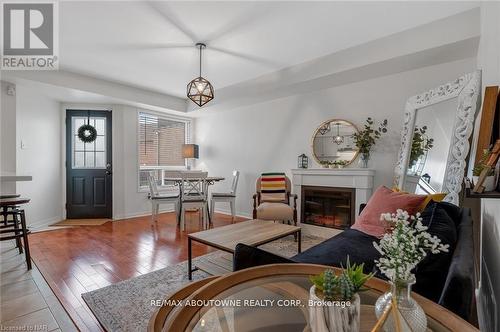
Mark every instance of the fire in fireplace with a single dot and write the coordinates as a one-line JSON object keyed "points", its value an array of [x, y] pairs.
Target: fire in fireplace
{"points": [[328, 206]]}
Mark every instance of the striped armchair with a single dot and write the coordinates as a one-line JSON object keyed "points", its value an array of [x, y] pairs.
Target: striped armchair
{"points": [[273, 198]]}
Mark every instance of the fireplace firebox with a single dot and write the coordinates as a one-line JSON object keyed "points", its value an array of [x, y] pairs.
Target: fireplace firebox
{"points": [[328, 206]]}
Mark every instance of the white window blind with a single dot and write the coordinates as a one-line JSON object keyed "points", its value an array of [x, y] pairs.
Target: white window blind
{"points": [[160, 143]]}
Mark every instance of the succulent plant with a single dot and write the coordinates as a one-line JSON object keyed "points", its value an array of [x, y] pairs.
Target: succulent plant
{"points": [[346, 287], [329, 285], [341, 287]]}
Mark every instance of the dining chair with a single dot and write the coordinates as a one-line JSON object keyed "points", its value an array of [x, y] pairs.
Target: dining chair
{"points": [[194, 189], [158, 198], [226, 197]]}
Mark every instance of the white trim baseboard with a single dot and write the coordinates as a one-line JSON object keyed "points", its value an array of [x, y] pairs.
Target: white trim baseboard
{"points": [[42, 225], [238, 214], [120, 217]]}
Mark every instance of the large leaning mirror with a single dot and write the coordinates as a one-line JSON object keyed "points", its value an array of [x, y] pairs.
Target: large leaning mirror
{"points": [[436, 137], [332, 142]]}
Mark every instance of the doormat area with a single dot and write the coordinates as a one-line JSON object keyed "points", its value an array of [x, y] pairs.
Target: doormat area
{"points": [[81, 222]]}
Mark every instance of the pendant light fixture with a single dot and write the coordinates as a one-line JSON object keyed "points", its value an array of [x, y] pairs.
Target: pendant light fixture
{"points": [[325, 129], [338, 139], [199, 90]]}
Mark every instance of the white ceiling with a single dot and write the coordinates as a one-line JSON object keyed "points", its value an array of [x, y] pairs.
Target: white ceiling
{"points": [[151, 44]]}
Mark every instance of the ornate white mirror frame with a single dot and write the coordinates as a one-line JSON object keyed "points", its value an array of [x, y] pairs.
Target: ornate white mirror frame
{"points": [[467, 88]]}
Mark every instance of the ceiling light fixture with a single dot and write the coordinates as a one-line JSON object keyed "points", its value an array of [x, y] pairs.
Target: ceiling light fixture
{"points": [[325, 129], [199, 90], [338, 139]]}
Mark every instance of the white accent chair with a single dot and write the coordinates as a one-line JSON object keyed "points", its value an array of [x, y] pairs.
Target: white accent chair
{"points": [[226, 197], [194, 188], [158, 198]]}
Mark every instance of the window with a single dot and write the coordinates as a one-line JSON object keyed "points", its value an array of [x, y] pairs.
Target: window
{"points": [[89, 155], [160, 140]]}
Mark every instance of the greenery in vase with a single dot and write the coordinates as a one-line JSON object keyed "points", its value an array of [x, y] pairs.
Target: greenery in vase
{"points": [[405, 245], [366, 138], [479, 167], [341, 287], [420, 144]]}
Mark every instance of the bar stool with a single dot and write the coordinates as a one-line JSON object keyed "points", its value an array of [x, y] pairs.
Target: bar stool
{"points": [[15, 229], [6, 208]]}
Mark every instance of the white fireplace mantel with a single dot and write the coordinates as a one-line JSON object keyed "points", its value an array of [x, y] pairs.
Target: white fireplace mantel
{"points": [[360, 179]]}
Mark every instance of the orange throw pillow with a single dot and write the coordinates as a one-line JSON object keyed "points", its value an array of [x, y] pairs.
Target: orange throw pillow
{"points": [[384, 200]]}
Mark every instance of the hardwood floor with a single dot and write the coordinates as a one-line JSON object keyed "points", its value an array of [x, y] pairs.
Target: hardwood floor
{"points": [[80, 259]]}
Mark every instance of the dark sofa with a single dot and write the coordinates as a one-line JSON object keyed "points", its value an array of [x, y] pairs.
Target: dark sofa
{"points": [[446, 278]]}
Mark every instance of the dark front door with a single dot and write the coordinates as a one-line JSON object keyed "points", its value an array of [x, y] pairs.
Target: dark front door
{"points": [[88, 166]]}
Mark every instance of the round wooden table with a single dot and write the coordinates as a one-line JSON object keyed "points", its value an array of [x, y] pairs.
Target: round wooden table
{"points": [[278, 282], [13, 201]]}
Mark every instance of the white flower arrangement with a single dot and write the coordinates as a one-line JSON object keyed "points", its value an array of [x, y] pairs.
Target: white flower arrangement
{"points": [[405, 245]]}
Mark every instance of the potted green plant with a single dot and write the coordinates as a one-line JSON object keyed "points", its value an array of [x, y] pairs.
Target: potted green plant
{"points": [[489, 181], [420, 144], [365, 139], [334, 303]]}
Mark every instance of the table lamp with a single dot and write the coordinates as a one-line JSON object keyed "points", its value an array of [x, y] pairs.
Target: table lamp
{"points": [[190, 151]]}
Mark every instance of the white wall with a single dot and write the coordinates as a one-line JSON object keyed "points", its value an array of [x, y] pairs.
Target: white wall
{"points": [[488, 296], [38, 127], [489, 61], [269, 136], [127, 201], [8, 136]]}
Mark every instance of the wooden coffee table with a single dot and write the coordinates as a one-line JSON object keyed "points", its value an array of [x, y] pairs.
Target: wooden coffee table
{"points": [[253, 233]]}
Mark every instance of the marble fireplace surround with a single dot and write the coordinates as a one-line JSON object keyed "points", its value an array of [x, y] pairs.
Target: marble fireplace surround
{"points": [[360, 179]]}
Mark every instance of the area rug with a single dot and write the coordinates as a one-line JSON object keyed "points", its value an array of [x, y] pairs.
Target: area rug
{"points": [[126, 305], [81, 222]]}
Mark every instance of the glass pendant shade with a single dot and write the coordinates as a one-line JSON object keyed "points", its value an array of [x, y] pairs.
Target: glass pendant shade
{"points": [[200, 91]]}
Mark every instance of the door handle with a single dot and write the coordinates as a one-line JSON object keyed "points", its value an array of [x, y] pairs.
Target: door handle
{"points": [[109, 169]]}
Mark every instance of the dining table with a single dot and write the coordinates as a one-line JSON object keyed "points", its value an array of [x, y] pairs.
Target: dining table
{"points": [[210, 180]]}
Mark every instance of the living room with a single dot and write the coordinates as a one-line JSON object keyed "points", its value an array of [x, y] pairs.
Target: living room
{"points": [[146, 158]]}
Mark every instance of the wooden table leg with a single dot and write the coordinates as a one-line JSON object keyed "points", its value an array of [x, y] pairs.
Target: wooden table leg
{"points": [[190, 271], [299, 232], [25, 238]]}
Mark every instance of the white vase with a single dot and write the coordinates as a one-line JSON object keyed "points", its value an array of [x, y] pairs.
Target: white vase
{"points": [[488, 184], [333, 316]]}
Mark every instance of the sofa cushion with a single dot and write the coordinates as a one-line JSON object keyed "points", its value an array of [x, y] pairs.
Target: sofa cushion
{"points": [[351, 243], [452, 210], [458, 294], [384, 200], [432, 271], [274, 211]]}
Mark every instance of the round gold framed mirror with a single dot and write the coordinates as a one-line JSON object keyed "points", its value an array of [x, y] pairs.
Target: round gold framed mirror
{"points": [[333, 144]]}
